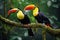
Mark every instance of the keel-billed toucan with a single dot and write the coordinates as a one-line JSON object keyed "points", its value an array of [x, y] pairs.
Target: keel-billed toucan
{"points": [[23, 18], [40, 17]]}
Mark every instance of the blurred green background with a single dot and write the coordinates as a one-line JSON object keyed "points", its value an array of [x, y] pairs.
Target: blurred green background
{"points": [[51, 8]]}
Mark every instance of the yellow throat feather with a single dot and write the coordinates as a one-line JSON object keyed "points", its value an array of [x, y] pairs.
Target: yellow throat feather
{"points": [[35, 12], [20, 15]]}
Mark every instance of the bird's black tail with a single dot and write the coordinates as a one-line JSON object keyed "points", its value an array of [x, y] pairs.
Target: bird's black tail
{"points": [[30, 32]]}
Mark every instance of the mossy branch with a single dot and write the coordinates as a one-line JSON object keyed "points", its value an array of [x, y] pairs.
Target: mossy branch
{"points": [[32, 25]]}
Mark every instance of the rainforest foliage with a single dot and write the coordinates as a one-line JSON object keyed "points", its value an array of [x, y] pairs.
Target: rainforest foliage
{"points": [[50, 8]]}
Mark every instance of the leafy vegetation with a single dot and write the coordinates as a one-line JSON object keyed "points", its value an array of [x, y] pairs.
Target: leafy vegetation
{"points": [[48, 7]]}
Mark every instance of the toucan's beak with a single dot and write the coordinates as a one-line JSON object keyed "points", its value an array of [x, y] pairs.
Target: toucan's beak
{"points": [[12, 11], [29, 7]]}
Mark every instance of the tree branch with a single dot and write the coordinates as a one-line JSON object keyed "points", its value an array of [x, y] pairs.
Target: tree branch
{"points": [[32, 25]]}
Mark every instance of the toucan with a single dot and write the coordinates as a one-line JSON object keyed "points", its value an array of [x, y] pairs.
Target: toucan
{"points": [[39, 16], [23, 19]]}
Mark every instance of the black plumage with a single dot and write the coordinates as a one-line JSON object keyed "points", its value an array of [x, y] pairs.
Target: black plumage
{"points": [[41, 18], [26, 20]]}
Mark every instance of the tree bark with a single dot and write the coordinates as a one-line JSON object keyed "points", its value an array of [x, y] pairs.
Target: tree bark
{"points": [[32, 25]]}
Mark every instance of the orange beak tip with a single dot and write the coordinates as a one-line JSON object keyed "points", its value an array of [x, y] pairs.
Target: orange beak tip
{"points": [[11, 11]]}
